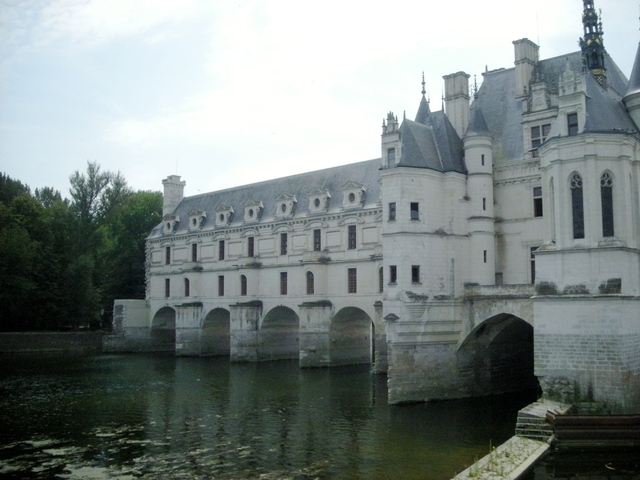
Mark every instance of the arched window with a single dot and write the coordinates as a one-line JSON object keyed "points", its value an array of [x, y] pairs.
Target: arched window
{"points": [[243, 285], [577, 206], [606, 199], [186, 287], [310, 283]]}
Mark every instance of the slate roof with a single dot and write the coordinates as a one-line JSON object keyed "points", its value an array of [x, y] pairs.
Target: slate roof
{"points": [[431, 142], [331, 179], [503, 111]]}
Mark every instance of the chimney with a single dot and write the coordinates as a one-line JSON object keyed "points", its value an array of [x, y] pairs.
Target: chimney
{"points": [[456, 99], [526, 58], [173, 193]]}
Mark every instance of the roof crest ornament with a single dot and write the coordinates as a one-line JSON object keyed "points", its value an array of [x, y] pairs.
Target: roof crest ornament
{"points": [[423, 90]]}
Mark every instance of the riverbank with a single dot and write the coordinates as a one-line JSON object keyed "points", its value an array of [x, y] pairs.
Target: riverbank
{"points": [[79, 343]]}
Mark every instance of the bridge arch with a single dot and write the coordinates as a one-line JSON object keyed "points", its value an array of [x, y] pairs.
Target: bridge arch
{"points": [[215, 334], [163, 329], [279, 335], [350, 335], [497, 356]]}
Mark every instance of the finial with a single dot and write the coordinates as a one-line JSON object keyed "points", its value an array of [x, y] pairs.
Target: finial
{"points": [[475, 87], [423, 90]]}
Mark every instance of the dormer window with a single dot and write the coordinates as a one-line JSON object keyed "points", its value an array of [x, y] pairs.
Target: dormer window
{"points": [[170, 223], [196, 219], [223, 215], [252, 210], [391, 156], [353, 195], [285, 205], [318, 200]]}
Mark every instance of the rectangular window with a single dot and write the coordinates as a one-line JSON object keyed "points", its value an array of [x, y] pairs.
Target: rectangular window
{"points": [[352, 280], [186, 287], [194, 252], [415, 212], [572, 124], [221, 250], [482, 159], [391, 156], [415, 273], [533, 264], [317, 240], [484, 203], [484, 256], [167, 255], [351, 241], [537, 201], [221, 285], [283, 244], [393, 274], [250, 247], [167, 287], [283, 283], [539, 134], [392, 211], [380, 280]]}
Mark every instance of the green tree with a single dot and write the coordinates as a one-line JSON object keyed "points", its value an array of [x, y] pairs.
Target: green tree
{"points": [[124, 258], [10, 188], [96, 197], [63, 262]]}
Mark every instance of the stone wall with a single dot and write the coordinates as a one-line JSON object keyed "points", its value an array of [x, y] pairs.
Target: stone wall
{"points": [[586, 349]]}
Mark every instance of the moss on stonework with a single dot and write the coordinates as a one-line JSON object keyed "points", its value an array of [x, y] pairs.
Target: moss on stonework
{"points": [[546, 288]]}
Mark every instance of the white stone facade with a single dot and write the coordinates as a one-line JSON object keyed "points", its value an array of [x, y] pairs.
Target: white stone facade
{"points": [[484, 232]]}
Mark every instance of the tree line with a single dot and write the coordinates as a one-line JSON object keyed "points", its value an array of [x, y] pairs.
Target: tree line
{"points": [[64, 261]]}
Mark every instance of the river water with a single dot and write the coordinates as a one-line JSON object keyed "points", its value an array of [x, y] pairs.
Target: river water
{"points": [[160, 417]]}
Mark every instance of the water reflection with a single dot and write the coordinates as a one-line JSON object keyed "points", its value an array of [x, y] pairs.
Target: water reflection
{"points": [[165, 417]]}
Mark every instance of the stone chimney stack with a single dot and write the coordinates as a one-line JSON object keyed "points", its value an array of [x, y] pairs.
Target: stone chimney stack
{"points": [[526, 58], [173, 193], [456, 99]]}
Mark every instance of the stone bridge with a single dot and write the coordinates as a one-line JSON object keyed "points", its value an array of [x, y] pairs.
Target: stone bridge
{"points": [[488, 349], [318, 334]]}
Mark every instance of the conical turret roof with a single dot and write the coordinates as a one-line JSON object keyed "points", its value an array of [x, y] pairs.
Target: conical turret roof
{"points": [[477, 123], [634, 80]]}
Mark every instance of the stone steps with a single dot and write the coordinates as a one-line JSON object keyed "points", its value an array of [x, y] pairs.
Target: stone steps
{"points": [[531, 422]]}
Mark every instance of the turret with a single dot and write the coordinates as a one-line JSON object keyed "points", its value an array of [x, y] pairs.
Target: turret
{"points": [[479, 163], [173, 193], [456, 99]]}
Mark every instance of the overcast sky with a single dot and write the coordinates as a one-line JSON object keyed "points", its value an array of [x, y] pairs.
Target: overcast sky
{"points": [[227, 92]]}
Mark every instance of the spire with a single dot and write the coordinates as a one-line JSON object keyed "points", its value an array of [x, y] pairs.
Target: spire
{"points": [[591, 44], [634, 79], [423, 110]]}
